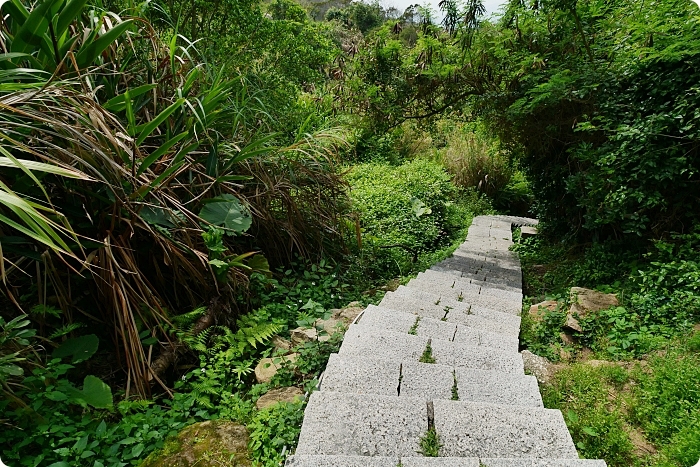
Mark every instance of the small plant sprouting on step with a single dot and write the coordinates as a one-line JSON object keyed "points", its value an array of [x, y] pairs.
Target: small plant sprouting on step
{"points": [[437, 302], [460, 297], [455, 393], [430, 444], [427, 356], [447, 311], [414, 328]]}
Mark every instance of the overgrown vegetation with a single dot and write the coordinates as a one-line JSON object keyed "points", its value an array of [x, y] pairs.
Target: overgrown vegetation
{"points": [[180, 182]]}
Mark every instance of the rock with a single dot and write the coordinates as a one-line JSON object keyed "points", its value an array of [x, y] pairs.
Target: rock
{"points": [[354, 304], [572, 323], [696, 327], [267, 368], [538, 310], [302, 335], [527, 231], [206, 444], [281, 343], [331, 326], [348, 314], [567, 339], [584, 301], [539, 367], [275, 396]]}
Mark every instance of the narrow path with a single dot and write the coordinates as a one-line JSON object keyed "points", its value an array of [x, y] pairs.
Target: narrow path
{"points": [[440, 353]]}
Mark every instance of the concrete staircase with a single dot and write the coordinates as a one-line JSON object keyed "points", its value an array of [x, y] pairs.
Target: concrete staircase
{"points": [[439, 353]]}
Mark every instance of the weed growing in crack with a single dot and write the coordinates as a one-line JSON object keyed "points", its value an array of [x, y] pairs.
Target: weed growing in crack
{"points": [[430, 444], [427, 356], [414, 329], [455, 393]]}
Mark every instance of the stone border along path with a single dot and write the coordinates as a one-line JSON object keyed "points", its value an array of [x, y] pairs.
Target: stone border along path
{"points": [[376, 400]]}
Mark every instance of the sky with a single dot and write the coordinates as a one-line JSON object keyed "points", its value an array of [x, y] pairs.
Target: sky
{"points": [[491, 5]]}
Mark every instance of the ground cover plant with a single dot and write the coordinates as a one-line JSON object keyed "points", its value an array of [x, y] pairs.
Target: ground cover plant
{"points": [[627, 382]]}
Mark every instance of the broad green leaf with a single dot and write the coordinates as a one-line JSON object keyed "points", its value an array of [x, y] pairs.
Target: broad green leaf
{"points": [[117, 103], [146, 129], [419, 207], [67, 15], [41, 167], [155, 155], [79, 348], [227, 211], [89, 53], [12, 370], [259, 263], [97, 393], [32, 33]]}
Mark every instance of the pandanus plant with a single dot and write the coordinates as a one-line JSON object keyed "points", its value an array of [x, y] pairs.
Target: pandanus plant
{"points": [[113, 166]]}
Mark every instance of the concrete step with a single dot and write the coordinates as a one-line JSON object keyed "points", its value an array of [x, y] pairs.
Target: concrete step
{"points": [[506, 293], [499, 431], [362, 425], [363, 461], [341, 461], [543, 462], [434, 306], [397, 321], [358, 374], [374, 343], [464, 294], [480, 272]]}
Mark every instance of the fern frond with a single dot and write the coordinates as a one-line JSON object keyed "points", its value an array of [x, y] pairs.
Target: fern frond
{"points": [[65, 329]]}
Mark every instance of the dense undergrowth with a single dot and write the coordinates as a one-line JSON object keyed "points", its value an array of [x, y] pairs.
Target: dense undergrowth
{"points": [[180, 182], [627, 384]]}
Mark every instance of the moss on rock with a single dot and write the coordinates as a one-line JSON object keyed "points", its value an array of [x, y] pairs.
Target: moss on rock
{"points": [[205, 444]]}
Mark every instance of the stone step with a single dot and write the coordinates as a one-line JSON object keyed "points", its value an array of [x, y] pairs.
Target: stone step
{"points": [[397, 321], [387, 345], [464, 294], [480, 272], [341, 461], [358, 374], [475, 279], [484, 288], [434, 306], [469, 429], [362, 425], [543, 462], [364, 461]]}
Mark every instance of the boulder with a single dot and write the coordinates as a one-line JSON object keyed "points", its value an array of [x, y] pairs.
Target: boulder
{"points": [[275, 396], [538, 310], [539, 367], [527, 231], [302, 335], [331, 325], [206, 444], [267, 368], [585, 301], [348, 314], [567, 339], [281, 344]]}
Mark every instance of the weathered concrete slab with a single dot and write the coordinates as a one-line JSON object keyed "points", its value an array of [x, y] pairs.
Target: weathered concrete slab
{"points": [[341, 461], [398, 321], [387, 345], [458, 294], [470, 336], [439, 462], [435, 305], [486, 430], [481, 358], [543, 463], [388, 319], [362, 425], [361, 375], [494, 387], [429, 381]]}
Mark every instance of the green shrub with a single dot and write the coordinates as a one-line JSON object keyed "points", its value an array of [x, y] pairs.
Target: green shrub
{"points": [[597, 425], [406, 211]]}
